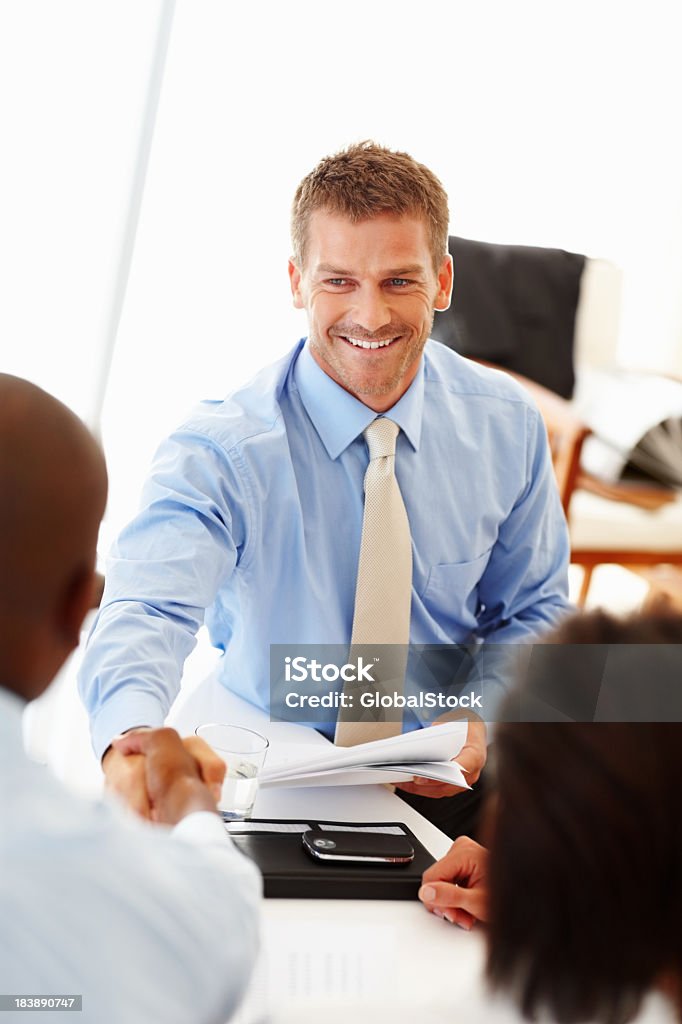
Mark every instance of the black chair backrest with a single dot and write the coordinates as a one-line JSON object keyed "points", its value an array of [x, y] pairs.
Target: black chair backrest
{"points": [[514, 305]]}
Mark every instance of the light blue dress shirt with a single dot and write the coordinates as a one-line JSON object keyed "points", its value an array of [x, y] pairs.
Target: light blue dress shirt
{"points": [[252, 516], [146, 923]]}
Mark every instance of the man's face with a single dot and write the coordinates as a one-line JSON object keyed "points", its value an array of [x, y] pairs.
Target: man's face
{"points": [[370, 291]]}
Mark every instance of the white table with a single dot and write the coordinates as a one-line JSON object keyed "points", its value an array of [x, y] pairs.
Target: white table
{"points": [[334, 960]]}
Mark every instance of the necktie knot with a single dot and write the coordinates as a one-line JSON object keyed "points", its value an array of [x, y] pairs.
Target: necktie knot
{"points": [[381, 436]]}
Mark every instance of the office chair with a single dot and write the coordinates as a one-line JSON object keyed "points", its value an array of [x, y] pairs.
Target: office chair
{"points": [[521, 309]]}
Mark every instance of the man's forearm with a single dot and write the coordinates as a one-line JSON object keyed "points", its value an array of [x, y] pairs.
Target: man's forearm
{"points": [[131, 670]]}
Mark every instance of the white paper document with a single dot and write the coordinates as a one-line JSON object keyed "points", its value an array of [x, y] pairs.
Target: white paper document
{"points": [[425, 752], [363, 961]]}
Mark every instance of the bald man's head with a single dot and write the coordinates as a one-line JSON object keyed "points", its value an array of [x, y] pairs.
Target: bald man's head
{"points": [[53, 487]]}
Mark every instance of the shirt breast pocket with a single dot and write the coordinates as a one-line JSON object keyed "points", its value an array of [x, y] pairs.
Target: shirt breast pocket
{"points": [[451, 591]]}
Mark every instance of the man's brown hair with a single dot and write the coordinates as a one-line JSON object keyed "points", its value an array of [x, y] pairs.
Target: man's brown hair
{"points": [[365, 180]]}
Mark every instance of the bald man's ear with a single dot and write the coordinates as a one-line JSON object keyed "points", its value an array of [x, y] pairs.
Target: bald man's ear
{"points": [[77, 600]]}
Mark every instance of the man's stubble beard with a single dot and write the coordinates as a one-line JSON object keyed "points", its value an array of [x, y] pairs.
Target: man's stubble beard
{"points": [[357, 384]]}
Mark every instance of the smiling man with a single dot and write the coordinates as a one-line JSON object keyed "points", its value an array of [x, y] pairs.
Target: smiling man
{"points": [[254, 518]]}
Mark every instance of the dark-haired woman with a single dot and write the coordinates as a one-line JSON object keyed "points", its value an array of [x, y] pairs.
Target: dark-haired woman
{"points": [[582, 889]]}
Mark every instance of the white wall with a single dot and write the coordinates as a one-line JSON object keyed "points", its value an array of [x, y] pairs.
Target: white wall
{"points": [[73, 76]]}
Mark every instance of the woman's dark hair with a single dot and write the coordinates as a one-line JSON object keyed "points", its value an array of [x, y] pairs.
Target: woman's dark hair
{"points": [[586, 860]]}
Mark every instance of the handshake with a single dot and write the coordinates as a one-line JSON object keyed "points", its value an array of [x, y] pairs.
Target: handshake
{"points": [[162, 777]]}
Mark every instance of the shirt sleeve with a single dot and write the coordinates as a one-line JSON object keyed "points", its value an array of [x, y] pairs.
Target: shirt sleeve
{"points": [[147, 923], [201, 827], [163, 572], [523, 591], [215, 892]]}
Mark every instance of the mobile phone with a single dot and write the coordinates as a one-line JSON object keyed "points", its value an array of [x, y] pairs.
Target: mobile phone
{"points": [[357, 847]]}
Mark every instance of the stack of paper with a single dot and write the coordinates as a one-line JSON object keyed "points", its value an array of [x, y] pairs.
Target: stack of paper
{"points": [[636, 419], [425, 752]]}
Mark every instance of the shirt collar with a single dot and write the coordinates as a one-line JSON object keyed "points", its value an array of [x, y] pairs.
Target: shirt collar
{"points": [[339, 418]]}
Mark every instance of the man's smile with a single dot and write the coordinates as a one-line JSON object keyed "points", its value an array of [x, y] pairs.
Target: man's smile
{"points": [[363, 343]]}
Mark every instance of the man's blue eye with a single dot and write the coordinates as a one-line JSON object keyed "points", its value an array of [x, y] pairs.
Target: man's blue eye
{"points": [[398, 281]]}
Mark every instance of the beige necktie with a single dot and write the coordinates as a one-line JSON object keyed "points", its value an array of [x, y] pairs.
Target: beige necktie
{"points": [[382, 596]]}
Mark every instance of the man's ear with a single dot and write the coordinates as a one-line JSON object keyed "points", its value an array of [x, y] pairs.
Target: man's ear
{"points": [[78, 597], [445, 281], [295, 282]]}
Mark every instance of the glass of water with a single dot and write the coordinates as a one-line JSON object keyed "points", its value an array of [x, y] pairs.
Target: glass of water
{"points": [[243, 751]]}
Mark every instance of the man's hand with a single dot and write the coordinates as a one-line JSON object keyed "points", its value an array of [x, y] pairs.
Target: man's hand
{"points": [[455, 886], [126, 770], [472, 758], [172, 775]]}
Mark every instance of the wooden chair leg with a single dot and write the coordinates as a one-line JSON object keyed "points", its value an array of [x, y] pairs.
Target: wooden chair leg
{"points": [[585, 585]]}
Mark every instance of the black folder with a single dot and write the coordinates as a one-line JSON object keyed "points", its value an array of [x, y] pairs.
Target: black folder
{"points": [[290, 873]]}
